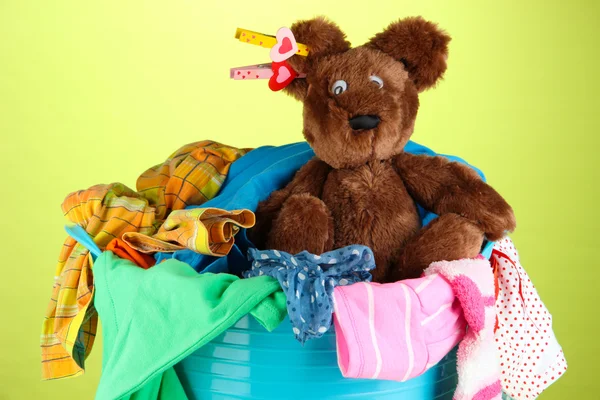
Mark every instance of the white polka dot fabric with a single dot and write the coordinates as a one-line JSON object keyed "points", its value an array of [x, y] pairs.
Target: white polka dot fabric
{"points": [[530, 357]]}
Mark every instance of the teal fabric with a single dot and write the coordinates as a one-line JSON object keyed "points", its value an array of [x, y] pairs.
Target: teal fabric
{"points": [[152, 319], [80, 235], [487, 250]]}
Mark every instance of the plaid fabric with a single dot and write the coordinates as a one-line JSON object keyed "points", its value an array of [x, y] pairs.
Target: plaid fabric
{"points": [[204, 230], [191, 175]]}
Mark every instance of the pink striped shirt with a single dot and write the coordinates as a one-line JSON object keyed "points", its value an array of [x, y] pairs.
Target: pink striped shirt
{"points": [[396, 331]]}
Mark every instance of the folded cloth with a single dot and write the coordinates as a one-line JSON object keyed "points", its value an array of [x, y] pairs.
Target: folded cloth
{"points": [[152, 319], [530, 357], [123, 250], [251, 180], [204, 230], [308, 281], [478, 365], [190, 176], [396, 331]]}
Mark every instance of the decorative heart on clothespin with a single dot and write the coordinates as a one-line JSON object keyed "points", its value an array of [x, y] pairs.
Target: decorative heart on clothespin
{"points": [[285, 47], [283, 75]]}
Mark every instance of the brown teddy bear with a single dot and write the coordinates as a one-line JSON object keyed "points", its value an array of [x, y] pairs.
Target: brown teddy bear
{"points": [[360, 106]]}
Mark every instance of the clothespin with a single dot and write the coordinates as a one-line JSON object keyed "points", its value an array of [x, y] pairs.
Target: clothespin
{"points": [[283, 46], [258, 71]]}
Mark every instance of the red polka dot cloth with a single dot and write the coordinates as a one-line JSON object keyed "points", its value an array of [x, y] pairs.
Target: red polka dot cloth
{"points": [[530, 357]]}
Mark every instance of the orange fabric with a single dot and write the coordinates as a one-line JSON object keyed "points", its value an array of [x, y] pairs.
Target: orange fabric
{"points": [[125, 251]]}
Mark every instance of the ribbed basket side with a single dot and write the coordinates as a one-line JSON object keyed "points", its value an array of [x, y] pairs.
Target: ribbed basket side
{"points": [[247, 362]]}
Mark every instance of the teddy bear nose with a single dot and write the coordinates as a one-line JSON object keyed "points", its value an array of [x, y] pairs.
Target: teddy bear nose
{"points": [[364, 122]]}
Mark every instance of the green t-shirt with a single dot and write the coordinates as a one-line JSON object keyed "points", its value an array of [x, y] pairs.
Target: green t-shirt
{"points": [[152, 319]]}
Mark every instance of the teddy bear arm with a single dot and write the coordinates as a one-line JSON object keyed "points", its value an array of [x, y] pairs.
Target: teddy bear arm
{"points": [[309, 180], [444, 187]]}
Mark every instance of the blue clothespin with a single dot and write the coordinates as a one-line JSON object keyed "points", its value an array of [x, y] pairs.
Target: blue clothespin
{"points": [[79, 234]]}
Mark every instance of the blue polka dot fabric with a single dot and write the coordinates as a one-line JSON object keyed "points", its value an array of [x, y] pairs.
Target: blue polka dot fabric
{"points": [[308, 281]]}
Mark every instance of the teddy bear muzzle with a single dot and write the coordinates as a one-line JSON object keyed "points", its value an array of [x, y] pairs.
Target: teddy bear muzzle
{"points": [[364, 122]]}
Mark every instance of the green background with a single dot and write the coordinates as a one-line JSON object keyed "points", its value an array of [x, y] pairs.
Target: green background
{"points": [[96, 92]]}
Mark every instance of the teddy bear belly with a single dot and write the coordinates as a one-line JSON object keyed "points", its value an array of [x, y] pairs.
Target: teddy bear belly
{"points": [[370, 206]]}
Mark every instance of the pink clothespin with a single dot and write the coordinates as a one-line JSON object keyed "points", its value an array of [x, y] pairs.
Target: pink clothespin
{"points": [[258, 71], [279, 74]]}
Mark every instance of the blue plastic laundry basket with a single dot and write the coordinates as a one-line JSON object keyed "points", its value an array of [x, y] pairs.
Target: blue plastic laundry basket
{"points": [[247, 362]]}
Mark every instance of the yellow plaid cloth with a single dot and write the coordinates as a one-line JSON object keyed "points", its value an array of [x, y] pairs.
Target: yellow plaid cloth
{"points": [[203, 230], [191, 175]]}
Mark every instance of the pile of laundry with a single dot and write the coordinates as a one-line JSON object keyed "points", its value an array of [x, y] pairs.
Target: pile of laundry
{"points": [[169, 266]]}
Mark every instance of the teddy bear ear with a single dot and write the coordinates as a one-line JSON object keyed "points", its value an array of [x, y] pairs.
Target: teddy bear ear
{"points": [[323, 38], [420, 45]]}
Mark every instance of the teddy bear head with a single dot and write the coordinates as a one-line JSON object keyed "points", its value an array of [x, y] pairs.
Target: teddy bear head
{"points": [[360, 104]]}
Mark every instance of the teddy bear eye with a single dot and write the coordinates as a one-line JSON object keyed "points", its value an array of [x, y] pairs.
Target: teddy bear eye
{"points": [[377, 80], [339, 87]]}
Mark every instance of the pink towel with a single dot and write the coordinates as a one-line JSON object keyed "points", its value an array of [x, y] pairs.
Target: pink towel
{"points": [[395, 331], [399, 330], [478, 364]]}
